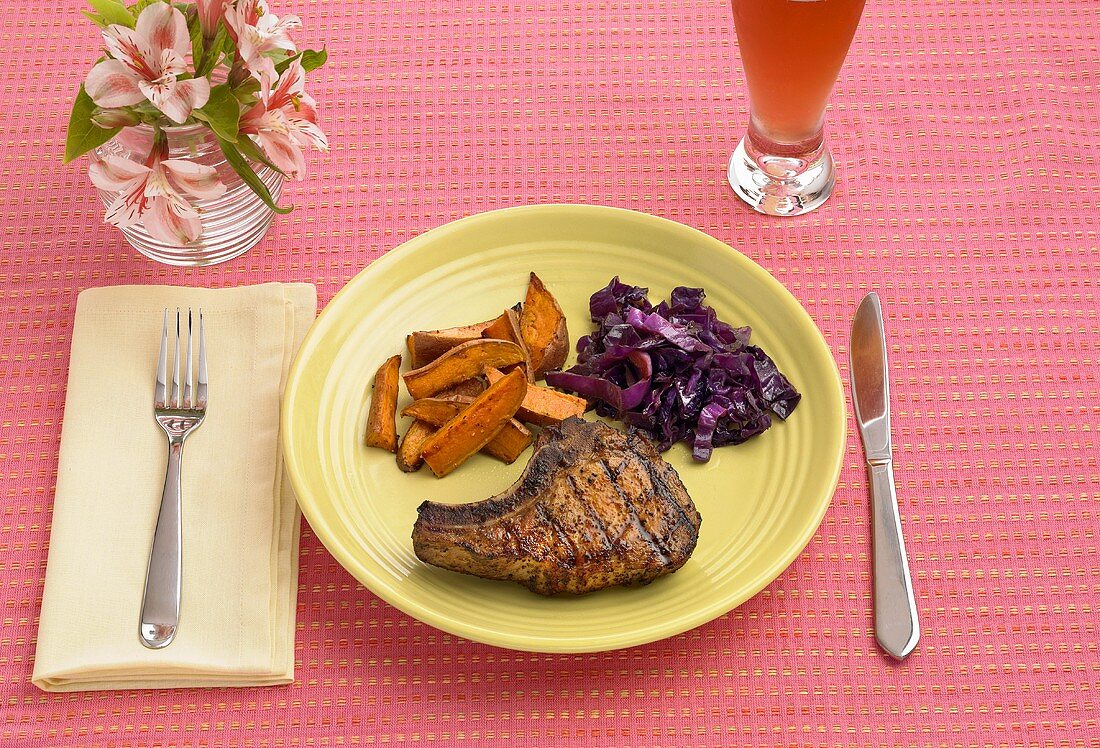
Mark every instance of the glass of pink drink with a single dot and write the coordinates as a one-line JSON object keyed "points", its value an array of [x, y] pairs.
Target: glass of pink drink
{"points": [[792, 51]]}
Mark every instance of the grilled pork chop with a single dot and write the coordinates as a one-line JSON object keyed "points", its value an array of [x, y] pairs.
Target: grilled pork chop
{"points": [[594, 508]]}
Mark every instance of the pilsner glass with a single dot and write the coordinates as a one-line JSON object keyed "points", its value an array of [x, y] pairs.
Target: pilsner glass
{"points": [[792, 51]]}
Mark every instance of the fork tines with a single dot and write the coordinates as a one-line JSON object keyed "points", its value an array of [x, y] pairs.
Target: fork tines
{"points": [[194, 391]]}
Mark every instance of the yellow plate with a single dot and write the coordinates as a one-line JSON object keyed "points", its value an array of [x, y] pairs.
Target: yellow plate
{"points": [[761, 501]]}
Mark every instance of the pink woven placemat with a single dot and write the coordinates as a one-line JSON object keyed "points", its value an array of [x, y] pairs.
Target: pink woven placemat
{"points": [[968, 139]]}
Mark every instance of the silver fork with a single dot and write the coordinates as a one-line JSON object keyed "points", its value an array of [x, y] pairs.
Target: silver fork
{"points": [[178, 413]]}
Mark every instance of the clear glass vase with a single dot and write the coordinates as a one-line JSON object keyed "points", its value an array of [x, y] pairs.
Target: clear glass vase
{"points": [[231, 224]]}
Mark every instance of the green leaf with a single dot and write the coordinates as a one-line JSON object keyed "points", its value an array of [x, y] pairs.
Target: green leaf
{"points": [[282, 65], [244, 171], [213, 53], [252, 152], [228, 46], [311, 60], [248, 87], [280, 56], [222, 112], [95, 18], [194, 30], [84, 135], [113, 11], [247, 92], [141, 5]]}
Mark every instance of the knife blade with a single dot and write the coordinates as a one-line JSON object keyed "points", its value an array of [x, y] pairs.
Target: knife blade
{"points": [[897, 628]]}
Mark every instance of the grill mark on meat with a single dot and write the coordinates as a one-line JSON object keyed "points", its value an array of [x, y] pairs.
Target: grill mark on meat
{"points": [[635, 519], [616, 472], [555, 525], [661, 487], [552, 531], [608, 543]]}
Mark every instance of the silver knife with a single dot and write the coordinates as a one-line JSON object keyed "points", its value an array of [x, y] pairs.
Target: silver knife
{"points": [[896, 627]]}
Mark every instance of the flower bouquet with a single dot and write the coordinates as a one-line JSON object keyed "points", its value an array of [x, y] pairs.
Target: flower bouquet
{"points": [[192, 119]]}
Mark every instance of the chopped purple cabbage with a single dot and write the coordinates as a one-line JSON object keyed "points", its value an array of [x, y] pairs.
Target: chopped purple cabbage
{"points": [[675, 371]]}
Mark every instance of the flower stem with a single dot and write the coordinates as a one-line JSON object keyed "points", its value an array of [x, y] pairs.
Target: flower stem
{"points": [[159, 149]]}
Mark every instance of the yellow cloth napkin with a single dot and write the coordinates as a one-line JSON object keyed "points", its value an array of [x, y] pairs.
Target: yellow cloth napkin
{"points": [[240, 519]]}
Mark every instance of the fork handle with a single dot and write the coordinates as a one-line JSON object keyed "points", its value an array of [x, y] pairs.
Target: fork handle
{"points": [[160, 606]]}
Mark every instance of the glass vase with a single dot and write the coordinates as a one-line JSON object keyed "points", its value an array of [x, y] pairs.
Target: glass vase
{"points": [[231, 224]]}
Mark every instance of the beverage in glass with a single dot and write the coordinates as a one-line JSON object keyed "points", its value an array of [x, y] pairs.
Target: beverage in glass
{"points": [[792, 52]]}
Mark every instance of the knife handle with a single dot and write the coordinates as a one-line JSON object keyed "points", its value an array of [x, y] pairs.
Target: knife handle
{"points": [[896, 627]]}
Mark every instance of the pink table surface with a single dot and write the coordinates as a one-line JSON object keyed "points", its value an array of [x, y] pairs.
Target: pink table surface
{"points": [[968, 140]]}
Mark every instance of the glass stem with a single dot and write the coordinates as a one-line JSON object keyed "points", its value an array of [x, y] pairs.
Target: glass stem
{"points": [[767, 149]]}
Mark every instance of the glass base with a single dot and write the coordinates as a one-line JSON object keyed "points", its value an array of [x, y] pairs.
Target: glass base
{"points": [[781, 185], [231, 225]]}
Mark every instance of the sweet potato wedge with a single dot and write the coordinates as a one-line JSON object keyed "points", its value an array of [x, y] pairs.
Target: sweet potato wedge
{"points": [[470, 388], [542, 324], [408, 454], [543, 406], [381, 426], [507, 327], [475, 426], [462, 362], [502, 326], [426, 346], [507, 445]]}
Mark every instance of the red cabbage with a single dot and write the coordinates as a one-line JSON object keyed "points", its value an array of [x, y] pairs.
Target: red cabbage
{"points": [[675, 372]]}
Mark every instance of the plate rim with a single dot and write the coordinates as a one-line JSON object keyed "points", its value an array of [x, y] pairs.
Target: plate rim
{"points": [[596, 642]]}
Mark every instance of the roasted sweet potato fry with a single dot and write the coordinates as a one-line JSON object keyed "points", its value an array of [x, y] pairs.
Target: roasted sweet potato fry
{"points": [[542, 324], [507, 445], [436, 410], [543, 406], [408, 454], [381, 427], [507, 327], [510, 442], [459, 364], [470, 388], [426, 346], [475, 426], [501, 329]]}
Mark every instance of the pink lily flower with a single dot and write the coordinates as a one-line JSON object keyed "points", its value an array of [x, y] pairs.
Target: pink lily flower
{"points": [[210, 14], [145, 63], [257, 30], [284, 120], [150, 193]]}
